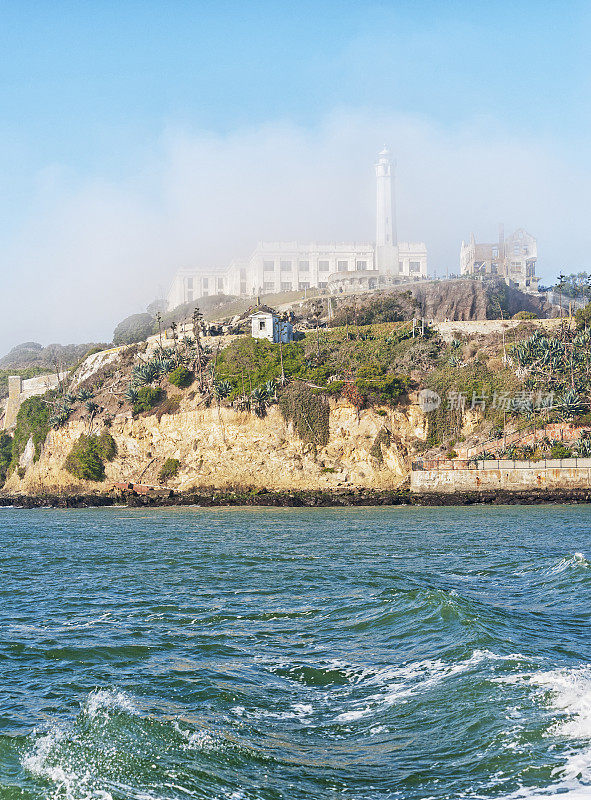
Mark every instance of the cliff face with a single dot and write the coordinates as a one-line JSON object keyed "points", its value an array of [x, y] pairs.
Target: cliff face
{"points": [[226, 448], [474, 300]]}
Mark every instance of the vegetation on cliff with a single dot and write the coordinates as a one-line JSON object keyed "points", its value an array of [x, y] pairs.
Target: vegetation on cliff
{"points": [[32, 422], [170, 469], [86, 459]]}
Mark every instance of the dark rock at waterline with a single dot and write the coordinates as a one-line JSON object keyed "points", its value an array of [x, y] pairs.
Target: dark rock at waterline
{"points": [[298, 499]]}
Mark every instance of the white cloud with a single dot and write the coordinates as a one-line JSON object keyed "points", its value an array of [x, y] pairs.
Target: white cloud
{"points": [[93, 251]]}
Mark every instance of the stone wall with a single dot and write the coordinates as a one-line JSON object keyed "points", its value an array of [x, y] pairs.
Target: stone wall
{"points": [[20, 390], [552, 474]]}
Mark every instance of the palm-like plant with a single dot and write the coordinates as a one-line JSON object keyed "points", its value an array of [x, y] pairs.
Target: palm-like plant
{"points": [[222, 390], [144, 374], [259, 399], [131, 394], [85, 394]]}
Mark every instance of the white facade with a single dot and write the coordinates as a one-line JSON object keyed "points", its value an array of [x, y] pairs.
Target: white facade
{"points": [[266, 325], [513, 259], [276, 267]]}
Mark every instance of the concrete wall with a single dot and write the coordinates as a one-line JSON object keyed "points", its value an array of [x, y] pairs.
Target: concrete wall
{"points": [[20, 390], [506, 478]]}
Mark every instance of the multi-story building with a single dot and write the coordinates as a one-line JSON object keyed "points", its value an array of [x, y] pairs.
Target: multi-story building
{"points": [[287, 266], [513, 259]]}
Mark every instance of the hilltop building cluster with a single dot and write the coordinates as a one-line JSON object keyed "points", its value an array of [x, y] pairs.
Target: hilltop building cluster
{"points": [[337, 267], [513, 259], [292, 266]]}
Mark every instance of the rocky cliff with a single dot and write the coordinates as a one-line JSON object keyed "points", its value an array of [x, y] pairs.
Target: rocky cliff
{"points": [[223, 448]]}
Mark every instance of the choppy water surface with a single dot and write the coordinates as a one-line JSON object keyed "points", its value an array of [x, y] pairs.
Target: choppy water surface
{"points": [[358, 653]]}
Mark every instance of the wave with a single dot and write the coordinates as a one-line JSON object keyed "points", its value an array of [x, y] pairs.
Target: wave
{"points": [[403, 682], [574, 561]]}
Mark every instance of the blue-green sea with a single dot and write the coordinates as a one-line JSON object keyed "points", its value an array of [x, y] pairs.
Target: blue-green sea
{"points": [[249, 654]]}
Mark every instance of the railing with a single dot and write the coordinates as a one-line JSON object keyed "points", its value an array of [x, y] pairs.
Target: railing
{"points": [[500, 463]]}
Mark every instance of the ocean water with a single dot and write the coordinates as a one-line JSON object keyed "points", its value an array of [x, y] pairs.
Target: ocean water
{"points": [[283, 653]]}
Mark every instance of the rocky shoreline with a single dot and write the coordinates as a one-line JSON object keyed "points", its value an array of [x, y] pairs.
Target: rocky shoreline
{"points": [[297, 499]]}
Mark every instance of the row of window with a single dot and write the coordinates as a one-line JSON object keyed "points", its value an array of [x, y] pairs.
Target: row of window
{"points": [[288, 286], [205, 283], [304, 266]]}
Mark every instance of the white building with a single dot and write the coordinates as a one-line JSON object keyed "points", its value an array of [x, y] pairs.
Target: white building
{"points": [[266, 325], [513, 259], [292, 266]]}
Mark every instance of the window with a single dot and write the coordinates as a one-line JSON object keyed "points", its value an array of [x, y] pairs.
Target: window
{"points": [[205, 293], [269, 266], [242, 287], [361, 265], [220, 284], [286, 286], [516, 249], [495, 252], [304, 285], [285, 266], [205, 283], [304, 266], [322, 284], [262, 324], [414, 266], [400, 266], [189, 295], [342, 266], [189, 283], [268, 286], [243, 273], [323, 266]]}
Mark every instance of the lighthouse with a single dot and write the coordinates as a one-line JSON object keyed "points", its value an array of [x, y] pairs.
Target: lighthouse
{"points": [[386, 239]]}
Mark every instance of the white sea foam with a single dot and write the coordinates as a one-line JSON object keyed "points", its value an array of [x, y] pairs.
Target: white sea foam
{"points": [[576, 560], [198, 740], [568, 692], [400, 683], [102, 701], [45, 761]]}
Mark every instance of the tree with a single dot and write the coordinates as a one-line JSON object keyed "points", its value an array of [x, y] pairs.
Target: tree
{"points": [[135, 328]]}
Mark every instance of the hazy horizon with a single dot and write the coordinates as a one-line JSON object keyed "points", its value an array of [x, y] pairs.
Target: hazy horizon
{"points": [[137, 141]]}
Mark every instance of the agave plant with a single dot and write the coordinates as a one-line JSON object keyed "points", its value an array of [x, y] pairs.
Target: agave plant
{"points": [[270, 388], [144, 374], [131, 394], [570, 405], [583, 448], [85, 394], [59, 417], [259, 399], [91, 406], [221, 390], [70, 398]]}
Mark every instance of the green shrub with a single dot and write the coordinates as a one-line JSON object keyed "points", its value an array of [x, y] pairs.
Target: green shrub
{"points": [[525, 315], [181, 377], [558, 450], [32, 420], [146, 398], [85, 460], [5, 455], [135, 328], [107, 447], [169, 469]]}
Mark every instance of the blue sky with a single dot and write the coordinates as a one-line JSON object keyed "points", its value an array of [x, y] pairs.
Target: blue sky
{"points": [[99, 98]]}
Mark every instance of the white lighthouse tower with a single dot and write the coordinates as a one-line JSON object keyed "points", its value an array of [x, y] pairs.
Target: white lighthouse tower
{"points": [[386, 239]]}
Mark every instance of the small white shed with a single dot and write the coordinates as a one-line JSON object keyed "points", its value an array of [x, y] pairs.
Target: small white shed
{"points": [[266, 325]]}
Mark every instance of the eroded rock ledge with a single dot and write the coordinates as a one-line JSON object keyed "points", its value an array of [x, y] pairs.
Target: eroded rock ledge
{"points": [[298, 499]]}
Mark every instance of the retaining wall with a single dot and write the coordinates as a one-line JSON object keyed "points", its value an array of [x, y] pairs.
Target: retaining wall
{"points": [[497, 476]]}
